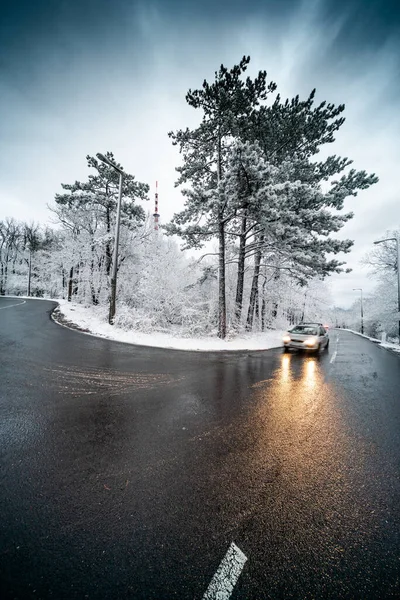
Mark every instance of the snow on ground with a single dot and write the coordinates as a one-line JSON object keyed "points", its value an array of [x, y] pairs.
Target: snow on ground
{"points": [[394, 347], [86, 318], [371, 339], [388, 345]]}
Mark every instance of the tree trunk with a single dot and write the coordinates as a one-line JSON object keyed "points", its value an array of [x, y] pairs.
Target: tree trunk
{"points": [[93, 293], [2, 289], [254, 289], [5, 277], [221, 261], [29, 273], [70, 283], [240, 274], [95, 300], [221, 283], [274, 311], [263, 303], [4, 271], [257, 305], [304, 307], [78, 282], [263, 308], [108, 245]]}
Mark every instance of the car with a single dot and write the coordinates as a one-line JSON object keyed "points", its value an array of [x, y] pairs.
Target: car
{"points": [[306, 336]]}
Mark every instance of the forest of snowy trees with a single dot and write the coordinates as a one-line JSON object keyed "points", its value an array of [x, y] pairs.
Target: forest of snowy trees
{"points": [[256, 230]]}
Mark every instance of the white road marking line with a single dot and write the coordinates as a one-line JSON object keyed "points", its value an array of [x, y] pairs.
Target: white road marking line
{"points": [[228, 572], [334, 355], [11, 305]]}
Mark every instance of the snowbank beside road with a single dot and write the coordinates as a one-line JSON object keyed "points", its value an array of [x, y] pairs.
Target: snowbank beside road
{"points": [[367, 337], [88, 320], [394, 347], [387, 345]]}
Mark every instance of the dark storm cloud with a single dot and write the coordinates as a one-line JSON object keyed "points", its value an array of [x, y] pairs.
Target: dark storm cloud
{"points": [[368, 22], [33, 32], [36, 31], [365, 22]]}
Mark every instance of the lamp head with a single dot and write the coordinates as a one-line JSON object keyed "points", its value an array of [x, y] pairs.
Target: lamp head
{"points": [[108, 162]]}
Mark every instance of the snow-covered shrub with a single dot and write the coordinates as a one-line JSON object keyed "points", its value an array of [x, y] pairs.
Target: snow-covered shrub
{"points": [[129, 318]]}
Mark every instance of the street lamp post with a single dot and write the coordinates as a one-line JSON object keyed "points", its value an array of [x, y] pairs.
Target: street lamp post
{"points": [[362, 308], [397, 240], [114, 271]]}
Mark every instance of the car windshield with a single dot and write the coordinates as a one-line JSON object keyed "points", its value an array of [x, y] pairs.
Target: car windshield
{"points": [[304, 330]]}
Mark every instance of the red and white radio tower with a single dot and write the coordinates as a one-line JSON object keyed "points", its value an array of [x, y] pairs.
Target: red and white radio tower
{"points": [[156, 213]]}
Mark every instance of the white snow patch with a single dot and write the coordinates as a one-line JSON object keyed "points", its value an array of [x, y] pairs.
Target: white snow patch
{"points": [[390, 346], [86, 318], [367, 337], [394, 347]]}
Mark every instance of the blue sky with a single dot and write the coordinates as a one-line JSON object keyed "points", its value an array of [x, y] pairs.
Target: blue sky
{"points": [[86, 76]]}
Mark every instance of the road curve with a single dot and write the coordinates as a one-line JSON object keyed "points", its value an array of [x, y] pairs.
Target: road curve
{"points": [[129, 472]]}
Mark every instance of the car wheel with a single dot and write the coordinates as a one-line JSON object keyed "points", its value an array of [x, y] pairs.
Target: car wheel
{"points": [[285, 349], [327, 345]]}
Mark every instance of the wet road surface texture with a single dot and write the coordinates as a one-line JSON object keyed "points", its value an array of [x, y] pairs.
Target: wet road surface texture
{"points": [[131, 472]]}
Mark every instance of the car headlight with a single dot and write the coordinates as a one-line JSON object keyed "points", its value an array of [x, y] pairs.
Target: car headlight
{"points": [[286, 339], [311, 342]]}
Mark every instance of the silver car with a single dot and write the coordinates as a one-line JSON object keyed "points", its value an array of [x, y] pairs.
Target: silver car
{"points": [[306, 336]]}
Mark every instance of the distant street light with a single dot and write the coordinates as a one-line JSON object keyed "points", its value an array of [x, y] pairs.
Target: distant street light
{"points": [[397, 240], [113, 296], [362, 308]]}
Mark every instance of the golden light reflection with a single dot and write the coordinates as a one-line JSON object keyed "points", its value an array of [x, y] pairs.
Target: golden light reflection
{"points": [[310, 373], [298, 444], [293, 408], [302, 373], [296, 387], [285, 368]]}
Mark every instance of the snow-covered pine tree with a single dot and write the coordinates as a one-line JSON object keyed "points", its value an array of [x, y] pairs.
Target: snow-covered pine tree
{"points": [[293, 127], [288, 221], [245, 182], [226, 104], [308, 217], [289, 134], [293, 132]]}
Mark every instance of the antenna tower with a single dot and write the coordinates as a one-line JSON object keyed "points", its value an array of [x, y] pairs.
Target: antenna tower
{"points": [[156, 214]]}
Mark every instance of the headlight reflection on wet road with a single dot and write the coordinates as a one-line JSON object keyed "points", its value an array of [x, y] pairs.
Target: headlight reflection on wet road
{"points": [[297, 416], [309, 378], [297, 375], [285, 368]]}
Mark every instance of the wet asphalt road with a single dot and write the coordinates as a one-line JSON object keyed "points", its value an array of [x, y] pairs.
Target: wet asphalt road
{"points": [[127, 472]]}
